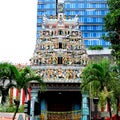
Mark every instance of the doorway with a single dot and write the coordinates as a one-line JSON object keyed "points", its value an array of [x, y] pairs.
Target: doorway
{"points": [[60, 105], [62, 101]]}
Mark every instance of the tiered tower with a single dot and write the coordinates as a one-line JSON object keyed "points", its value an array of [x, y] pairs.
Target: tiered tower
{"points": [[59, 58], [60, 54]]}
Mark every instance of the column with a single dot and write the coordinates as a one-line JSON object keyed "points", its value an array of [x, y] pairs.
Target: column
{"points": [[85, 109], [34, 95], [43, 110]]}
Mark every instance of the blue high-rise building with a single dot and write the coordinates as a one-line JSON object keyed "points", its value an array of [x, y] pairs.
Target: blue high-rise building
{"points": [[90, 12]]}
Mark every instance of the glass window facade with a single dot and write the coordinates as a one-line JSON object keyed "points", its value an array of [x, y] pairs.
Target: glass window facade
{"points": [[90, 12]]}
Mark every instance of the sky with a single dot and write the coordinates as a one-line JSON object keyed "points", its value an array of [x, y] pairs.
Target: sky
{"points": [[17, 30]]}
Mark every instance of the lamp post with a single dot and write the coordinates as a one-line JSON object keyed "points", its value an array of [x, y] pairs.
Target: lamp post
{"points": [[95, 101]]}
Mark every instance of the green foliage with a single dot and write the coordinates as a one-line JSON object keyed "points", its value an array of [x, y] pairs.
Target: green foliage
{"points": [[96, 80], [17, 77], [26, 75], [21, 109], [112, 27], [6, 79], [112, 21], [102, 79], [113, 4], [96, 47], [11, 109], [103, 97], [116, 82]]}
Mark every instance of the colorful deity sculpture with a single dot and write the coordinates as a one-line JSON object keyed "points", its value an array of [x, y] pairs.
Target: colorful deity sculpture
{"points": [[60, 49]]}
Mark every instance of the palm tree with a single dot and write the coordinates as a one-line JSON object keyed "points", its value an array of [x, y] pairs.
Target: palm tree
{"points": [[11, 76], [116, 86], [23, 77], [99, 75], [6, 79]]}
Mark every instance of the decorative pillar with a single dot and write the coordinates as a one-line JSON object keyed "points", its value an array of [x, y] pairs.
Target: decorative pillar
{"points": [[43, 109], [85, 109], [34, 98]]}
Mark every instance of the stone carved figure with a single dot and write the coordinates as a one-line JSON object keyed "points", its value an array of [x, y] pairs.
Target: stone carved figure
{"points": [[84, 59], [76, 22], [44, 19], [54, 59], [60, 19], [72, 52], [76, 18], [60, 73]]}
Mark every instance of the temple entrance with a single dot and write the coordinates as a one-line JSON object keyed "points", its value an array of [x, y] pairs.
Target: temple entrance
{"points": [[60, 105], [59, 101]]}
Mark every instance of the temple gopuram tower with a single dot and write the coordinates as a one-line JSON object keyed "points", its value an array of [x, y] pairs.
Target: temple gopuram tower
{"points": [[59, 58]]}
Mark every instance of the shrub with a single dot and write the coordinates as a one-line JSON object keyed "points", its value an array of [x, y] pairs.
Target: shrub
{"points": [[11, 109], [96, 47]]}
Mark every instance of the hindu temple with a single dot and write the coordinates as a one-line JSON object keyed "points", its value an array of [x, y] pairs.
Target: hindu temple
{"points": [[59, 58]]}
